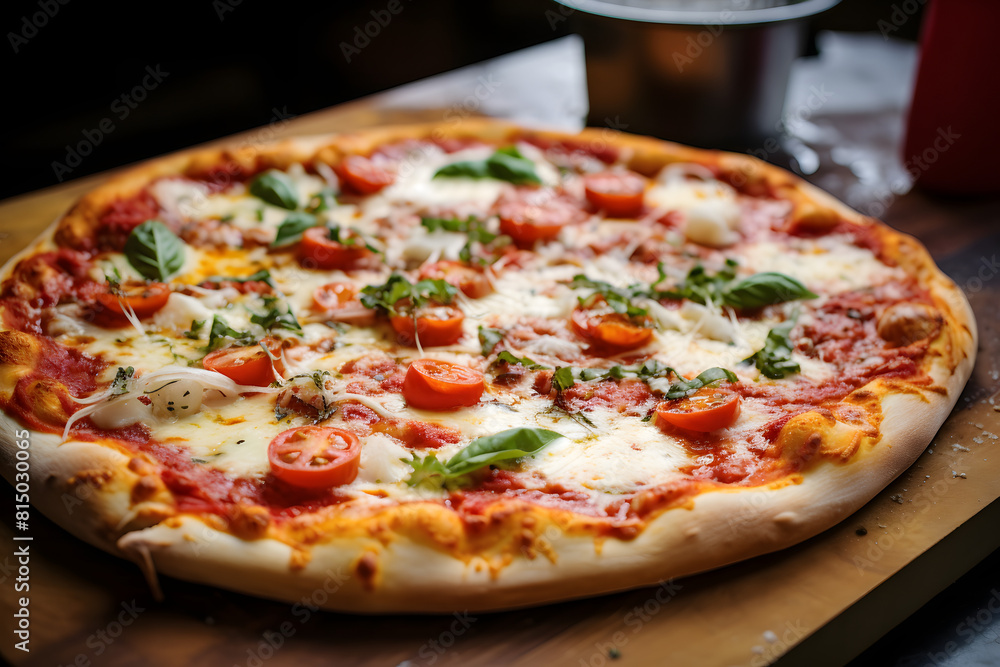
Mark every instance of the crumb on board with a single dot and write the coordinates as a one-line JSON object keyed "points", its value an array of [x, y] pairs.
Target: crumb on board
{"points": [[896, 498], [960, 448], [770, 636], [958, 474]]}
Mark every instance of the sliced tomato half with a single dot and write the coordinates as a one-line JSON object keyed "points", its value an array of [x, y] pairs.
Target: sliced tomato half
{"points": [[708, 409], [318, 250], [618, 193], [247, 365], [432, 384], [364, 175], [340, 303], [537, 217], [603, 327], [315, 457], [145, 299], [434, 325], [472, 281]]}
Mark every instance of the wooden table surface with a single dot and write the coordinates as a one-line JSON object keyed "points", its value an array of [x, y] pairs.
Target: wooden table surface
{"points": [[820, 602]]}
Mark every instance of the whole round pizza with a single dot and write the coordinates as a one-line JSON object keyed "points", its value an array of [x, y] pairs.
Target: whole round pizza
{"points": [[470, 366]]}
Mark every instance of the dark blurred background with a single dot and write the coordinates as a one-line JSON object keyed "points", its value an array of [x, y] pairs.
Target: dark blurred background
{"points": [[228, 65]]}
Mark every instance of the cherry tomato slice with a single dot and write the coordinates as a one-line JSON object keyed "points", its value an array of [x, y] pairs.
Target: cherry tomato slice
{"points": [[527, 222], [247, 365], [363, 175], [708, 409], [315, 457], [435, 325], [473, 282], [145, 300], [441, 385], [606, 328], [340, 303], [318, 250], [618, 193]]}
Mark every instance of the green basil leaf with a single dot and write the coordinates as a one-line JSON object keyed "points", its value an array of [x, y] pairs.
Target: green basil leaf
{"points": [[262, 276], [275, 317], [506, 164], [488, 339], [563, 378], [323, 200], [119, 385], [705, 379], [765, 289], [618, 298], [275, 187], [220, 331], [154, 251], [292, 227], [774, 360], [446, 224], [194, 333], [397, 288], [510, 444], [523, 361]]}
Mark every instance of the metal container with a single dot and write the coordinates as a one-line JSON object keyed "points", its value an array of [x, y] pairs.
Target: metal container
{"points": [[710, 73]]}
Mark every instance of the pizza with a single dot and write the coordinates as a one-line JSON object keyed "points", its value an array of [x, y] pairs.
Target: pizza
{"points": [[465, 367]]}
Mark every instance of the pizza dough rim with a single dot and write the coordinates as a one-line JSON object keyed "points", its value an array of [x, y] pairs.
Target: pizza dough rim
{"points": [[364, 575]]}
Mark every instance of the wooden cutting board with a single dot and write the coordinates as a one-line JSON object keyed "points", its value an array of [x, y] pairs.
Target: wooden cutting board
{"points": [[820, 602]]}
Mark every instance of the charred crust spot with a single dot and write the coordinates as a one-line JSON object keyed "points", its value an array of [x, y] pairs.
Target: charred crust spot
{"points": [[366, 570]]}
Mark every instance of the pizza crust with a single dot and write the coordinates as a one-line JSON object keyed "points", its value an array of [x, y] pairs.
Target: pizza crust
{"points": [[372, 574]]}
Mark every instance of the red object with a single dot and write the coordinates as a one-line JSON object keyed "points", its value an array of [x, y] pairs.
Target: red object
{"points": [[618, 194], [431, 384], [708, 409], [315, 457], [247, 365], [952, 140]]}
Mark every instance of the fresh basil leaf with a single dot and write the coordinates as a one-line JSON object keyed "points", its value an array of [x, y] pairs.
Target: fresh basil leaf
{"points": [[774, 360], [397, 288], [262, 276], [704, 379], [154, 251], [454, 225], [471, 226], [220, 331], [276, 318], [488, 339], [194, 333], [510, 444], [523, 361], [275, 187], [513, 443], [765, 289], [119, 385], [292, 227], [618, 298], [506, 164], [323, 200], [563, 378]]}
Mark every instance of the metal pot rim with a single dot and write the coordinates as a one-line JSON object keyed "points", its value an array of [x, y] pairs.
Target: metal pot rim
{"points": [[611, 9]]}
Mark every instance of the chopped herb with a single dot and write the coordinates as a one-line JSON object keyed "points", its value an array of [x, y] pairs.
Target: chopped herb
{"points": [[397, 288], [323, 200], [194, 333], [704, 379], [509, 358], [774, 360], [472, 226], [262, 276], [119, 385], [275, 318], [618, 298], [292, 228], [220, 331], [488, 339]]}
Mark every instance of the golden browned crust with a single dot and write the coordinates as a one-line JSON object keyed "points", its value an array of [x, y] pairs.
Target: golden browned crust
{"points": [[524, 554]]}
